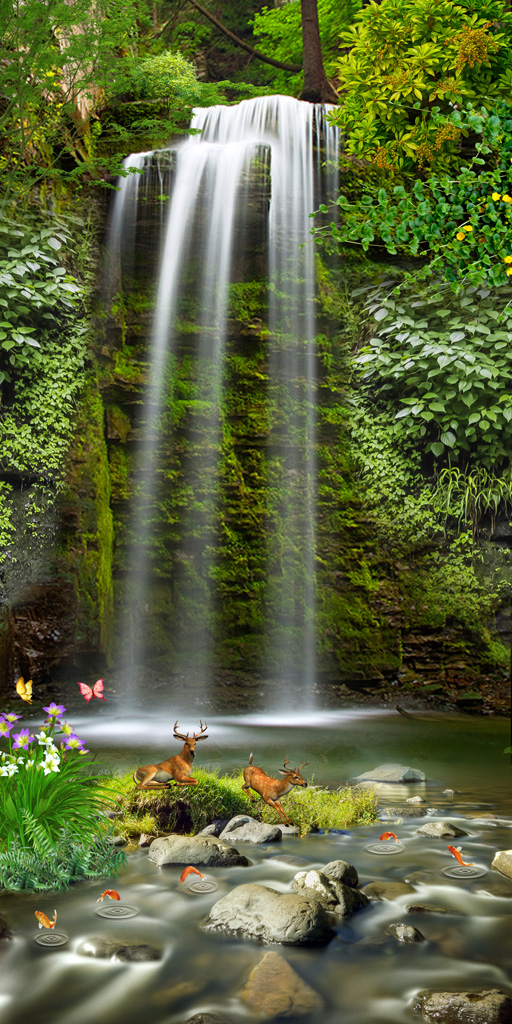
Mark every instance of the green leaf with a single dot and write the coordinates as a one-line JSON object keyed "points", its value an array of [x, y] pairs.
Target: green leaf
{"points": [[437, 448], [448, 439]]}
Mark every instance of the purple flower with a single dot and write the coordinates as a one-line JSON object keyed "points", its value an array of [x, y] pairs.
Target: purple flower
{"points": [[22, 740], [74, 743], [5, 728], [54, 710], [10, 717]]}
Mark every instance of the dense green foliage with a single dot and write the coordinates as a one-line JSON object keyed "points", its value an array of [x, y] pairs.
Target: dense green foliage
{"points": [[409, 59], [278, 33], [57, 865]]}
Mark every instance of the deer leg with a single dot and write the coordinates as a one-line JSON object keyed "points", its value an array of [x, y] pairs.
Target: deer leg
{"points": [[186, 782], [279, 809], [151, 777], [248, 791]]}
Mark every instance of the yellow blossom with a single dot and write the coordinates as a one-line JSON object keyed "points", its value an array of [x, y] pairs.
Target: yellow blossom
{"points": [[496, 195], [460, 235], [509, 271], [467, 227], [506, 198], [507, 259]]}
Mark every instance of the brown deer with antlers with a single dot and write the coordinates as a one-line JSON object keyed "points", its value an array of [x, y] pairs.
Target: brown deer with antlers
{"points": [[271, 789], [175, 769]]}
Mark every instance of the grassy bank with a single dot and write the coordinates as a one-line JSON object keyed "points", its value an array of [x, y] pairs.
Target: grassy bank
{"points": [[189, 809]]}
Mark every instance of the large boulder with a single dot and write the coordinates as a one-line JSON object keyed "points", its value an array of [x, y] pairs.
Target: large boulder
{"points": [[275, 990], [206, 851], [502, 862], [258, 912], [244, 829], [392, 773], [485, 1007], [441, 830], [336, 897]]}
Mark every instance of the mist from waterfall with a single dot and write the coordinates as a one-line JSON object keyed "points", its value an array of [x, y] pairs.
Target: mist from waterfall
{"points": [[202, 188]]}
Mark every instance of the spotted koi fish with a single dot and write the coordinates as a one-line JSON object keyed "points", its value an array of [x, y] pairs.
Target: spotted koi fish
{"points": [[44, 921], [111, 893], [389, 835], [190, 871], [455, 852]]}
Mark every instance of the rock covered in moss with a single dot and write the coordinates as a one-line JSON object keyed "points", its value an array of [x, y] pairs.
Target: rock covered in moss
{"points": [[196, 850], [258, 912]]}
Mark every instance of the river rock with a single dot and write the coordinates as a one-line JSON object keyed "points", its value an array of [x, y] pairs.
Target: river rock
{"points": [[244, 829], [342, 871], [392, 773], [127, 950], [145, 839], [415, 800], [214, 828], [502, 862], [383, 889], [488, 1006], [206, 1018], [258, 912], [195, 850], [336, 897], [441, 830], [402, 812], [425, 908], [405, 932], [275, 990]]}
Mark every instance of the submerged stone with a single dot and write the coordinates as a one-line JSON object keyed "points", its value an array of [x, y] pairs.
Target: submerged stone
{"points": [[258, 912], [405, 932], [127, 950], [386, 890], [274, 989]]}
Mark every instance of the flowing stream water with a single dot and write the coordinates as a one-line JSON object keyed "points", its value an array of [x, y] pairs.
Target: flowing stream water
{"points": [[364, 975], [205, 187]]}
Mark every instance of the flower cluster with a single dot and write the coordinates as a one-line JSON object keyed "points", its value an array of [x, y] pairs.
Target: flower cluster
{"points": [[40, 751]]}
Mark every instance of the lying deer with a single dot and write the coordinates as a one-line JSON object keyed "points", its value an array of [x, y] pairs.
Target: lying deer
{"points": [[271, 789], [175, 769]]}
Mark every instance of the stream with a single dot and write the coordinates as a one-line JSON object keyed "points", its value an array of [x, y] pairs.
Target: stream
{"points": [[364, 974]]}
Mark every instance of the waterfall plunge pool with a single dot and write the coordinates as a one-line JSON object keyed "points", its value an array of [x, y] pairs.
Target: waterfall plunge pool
{"points": [[363, 975]]}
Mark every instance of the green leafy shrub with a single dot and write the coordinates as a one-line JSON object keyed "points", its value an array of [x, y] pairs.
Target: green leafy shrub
{"points": [[456, 228], [446, 362], [407, 58], [44, 788], [168, 76], [58, 865]]}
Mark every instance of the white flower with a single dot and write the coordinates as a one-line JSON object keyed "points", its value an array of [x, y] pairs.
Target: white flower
{"points": [[43, 738], [9, 769], [51, 763], [28, 764]]}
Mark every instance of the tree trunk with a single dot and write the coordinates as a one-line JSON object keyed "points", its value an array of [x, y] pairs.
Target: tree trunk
{"points": [[316, 88]]}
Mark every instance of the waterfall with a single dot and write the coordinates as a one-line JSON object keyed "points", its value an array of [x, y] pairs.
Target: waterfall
{"points": [[200, 195]]}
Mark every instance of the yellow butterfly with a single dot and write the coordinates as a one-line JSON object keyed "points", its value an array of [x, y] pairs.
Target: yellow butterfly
{"points": [[24, 689]]}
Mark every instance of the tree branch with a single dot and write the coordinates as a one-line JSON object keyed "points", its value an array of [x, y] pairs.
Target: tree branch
{"points": [[240, 42]]}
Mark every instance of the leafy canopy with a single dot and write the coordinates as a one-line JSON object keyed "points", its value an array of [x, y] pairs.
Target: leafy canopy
{"points": [[409, 57]]}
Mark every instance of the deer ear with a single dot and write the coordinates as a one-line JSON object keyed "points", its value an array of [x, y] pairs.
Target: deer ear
{"points": [[283, 771], [201, 738]]}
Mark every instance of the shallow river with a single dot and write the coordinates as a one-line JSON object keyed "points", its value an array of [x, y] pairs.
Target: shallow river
{"points": [[364, 975]]}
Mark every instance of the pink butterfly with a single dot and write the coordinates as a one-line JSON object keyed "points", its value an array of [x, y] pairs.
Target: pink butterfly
{"points": [[88, 692]]}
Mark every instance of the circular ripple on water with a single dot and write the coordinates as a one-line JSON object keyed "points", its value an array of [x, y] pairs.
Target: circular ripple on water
{"points": [[385, 849], [463, 871], [203, 885], [51, 939], [119, 911]]}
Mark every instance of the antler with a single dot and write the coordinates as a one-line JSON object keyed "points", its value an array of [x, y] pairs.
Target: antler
{"points": [[303, 765], [198, 735], [179, 734], [285, 762]]}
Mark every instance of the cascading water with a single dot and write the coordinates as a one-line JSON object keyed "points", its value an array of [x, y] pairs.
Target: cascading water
{"points": [[208, 185]]}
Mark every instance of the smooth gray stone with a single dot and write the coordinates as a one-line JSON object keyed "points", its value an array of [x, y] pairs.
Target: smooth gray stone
{"points": [[258, 912], [502, 862], [194, 850], [342, 871], [244, 829], [386, 890], [392, 773], [441, 830]]}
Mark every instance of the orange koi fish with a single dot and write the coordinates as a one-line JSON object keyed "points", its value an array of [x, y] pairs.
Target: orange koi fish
{"points": [[455, 852], [111, 893], [44, 921], [389, 835], [190, 871]]}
